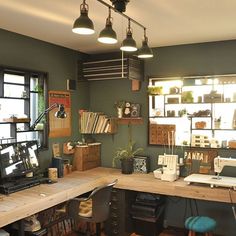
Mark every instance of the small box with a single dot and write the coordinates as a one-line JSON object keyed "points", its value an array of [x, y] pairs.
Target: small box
{"points": [[232, 144], [173, 100], [66, 150], [213, 97], [200, 125], [195, 144], [141, 164]]}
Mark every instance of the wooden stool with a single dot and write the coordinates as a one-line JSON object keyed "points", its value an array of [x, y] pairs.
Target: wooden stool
{"points": [[200, 224]]}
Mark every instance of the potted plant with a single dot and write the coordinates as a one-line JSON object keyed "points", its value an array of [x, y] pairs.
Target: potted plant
{"points": [[119, 105], [126, 157], [155, 90], [187, 97]]}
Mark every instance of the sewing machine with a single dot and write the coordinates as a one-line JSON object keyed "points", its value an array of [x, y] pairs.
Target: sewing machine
{"points": [[170, 168], [216, 180], [221, 162]]}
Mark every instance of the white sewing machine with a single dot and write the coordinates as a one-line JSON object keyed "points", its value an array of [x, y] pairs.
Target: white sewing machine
{"points": [[170, 169], [221, 162], [216, 180]]}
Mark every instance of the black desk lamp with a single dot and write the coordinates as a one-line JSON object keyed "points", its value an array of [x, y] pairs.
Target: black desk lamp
{"points": [[60, 113]]}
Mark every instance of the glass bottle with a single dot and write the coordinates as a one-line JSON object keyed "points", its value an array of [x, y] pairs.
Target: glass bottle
{"points": [[234, 120]]}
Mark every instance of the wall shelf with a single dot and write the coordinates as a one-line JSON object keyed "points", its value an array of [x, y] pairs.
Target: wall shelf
{"points": [[130, 121], [96, 123], [203, 110]]}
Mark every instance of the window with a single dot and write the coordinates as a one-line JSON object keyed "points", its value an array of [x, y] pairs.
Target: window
{"points": [[22, 99]]}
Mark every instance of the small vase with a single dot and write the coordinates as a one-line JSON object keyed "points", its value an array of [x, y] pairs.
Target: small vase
{"points": [[127, 166], [234, 120], [217, 124], [120, 112]]}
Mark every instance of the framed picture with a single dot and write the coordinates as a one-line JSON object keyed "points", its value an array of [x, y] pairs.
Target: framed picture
{"points": [[60, 127], [135, 110], [127, 109], [141, 164]]}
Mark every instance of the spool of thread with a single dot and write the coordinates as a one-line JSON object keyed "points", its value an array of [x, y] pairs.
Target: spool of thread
{"points": [[52, 174]]}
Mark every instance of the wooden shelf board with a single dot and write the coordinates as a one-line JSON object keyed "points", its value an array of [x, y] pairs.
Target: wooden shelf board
{"points": [[129, 120], [16, 120]]}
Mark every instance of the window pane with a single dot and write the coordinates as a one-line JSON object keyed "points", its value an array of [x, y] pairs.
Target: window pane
{"points": [[33, 107], [27, 136], [14, 91], [19, 79], [28, 85], [11, 107], [34, 84], [21, 127], [5, 130]]}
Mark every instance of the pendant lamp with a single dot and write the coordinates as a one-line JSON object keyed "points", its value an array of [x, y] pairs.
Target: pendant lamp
{"points": [[145, 51], [129, 44], [83, 24], [108, 35]]}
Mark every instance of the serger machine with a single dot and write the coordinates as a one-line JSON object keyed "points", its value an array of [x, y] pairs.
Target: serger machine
{"points": [[216, 180], [170, 168]]}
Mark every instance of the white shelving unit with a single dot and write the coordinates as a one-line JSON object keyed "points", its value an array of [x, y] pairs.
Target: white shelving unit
{"points": [[199, 106]]}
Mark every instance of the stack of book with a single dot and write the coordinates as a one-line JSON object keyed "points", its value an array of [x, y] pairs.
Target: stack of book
{"points": [[96, 122]]}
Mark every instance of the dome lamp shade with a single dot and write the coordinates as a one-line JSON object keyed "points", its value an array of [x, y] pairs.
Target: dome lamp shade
{"points": [[83, 25]]}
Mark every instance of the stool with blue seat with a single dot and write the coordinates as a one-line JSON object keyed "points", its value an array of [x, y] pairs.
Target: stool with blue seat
{"points": [[200, 224]]}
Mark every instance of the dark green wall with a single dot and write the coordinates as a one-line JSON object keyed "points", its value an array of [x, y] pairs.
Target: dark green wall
{"points": [[60, 64], [195, 59]]}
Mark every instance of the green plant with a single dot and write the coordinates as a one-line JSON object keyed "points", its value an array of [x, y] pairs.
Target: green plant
{"points": [[155, 90], [187, 96], [126, 153], [41, 100]]}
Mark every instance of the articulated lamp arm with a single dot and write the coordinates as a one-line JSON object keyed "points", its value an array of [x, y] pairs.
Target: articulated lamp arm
{"points": [[59, 114]]}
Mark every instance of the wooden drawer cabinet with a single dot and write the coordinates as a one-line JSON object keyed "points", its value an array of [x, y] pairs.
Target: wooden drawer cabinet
{"points": [[87, 157]]}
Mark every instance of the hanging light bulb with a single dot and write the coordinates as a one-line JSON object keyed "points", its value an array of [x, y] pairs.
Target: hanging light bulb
{"points": [[108, 35], [83, 24], [145, 51], [129, 44]]}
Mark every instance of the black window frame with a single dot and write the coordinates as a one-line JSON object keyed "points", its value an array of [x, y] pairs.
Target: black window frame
{"points": [[43, 79]]}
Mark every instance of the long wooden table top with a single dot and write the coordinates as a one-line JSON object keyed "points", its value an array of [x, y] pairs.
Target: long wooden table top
{"points": [[24, 203]]}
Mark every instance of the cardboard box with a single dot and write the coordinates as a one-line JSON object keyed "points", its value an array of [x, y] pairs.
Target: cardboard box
{"points": [[232, 144]]}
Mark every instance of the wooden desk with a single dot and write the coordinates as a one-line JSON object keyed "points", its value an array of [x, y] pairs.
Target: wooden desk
{"points": [[21, 204]]}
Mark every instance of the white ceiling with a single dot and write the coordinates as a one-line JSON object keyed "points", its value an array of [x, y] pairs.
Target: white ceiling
{"points": [[168, 22]]}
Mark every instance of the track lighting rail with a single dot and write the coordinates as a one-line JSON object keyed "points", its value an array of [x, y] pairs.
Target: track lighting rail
{"points": [[121, 13]]}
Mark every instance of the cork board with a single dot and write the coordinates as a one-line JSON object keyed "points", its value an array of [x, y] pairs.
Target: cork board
{"points": [[59, 127]]}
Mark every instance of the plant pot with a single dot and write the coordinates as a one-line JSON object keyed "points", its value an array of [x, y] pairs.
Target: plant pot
{"points": [[127, 166]]}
